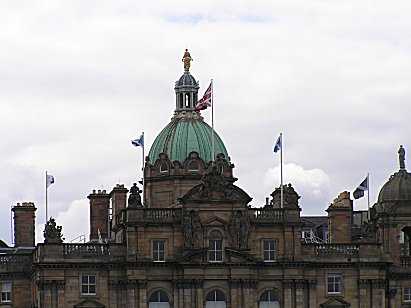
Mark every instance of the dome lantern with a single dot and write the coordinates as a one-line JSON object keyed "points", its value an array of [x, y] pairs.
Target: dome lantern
{"points": [[186, 88]]}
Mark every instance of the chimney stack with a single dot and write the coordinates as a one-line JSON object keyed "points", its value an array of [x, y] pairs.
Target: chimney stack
{"points": [[119, 201], [24, 224], [340, 219], [99, 211]]}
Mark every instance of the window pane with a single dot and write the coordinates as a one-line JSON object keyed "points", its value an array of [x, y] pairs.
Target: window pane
{"points": [[84, 289], [92, 289], [92, 279]]}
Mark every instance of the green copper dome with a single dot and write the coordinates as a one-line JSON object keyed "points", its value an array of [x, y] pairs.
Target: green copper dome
{"points": [[184, 135], [187, 132]]}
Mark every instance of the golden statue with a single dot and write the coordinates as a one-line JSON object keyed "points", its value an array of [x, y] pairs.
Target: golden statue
{"points": [[187, 59]]}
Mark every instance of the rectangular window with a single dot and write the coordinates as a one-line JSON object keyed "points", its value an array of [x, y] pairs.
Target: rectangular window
{"points": [[88, 284], [334, 283], [406, 294], [269, 250], [216, 251], [158, 251], [6, 292]]}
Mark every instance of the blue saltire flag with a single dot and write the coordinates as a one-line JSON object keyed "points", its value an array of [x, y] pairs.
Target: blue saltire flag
{"points": [[277, 145], [138, 142], [359, 192]]}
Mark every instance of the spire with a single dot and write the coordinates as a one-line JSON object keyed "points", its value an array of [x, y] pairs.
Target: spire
{"points": [[187, 59], [401, 156]]}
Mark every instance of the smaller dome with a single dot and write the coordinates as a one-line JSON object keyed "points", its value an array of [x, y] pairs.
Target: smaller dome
{"points": [[186, 80], [398, 187]]}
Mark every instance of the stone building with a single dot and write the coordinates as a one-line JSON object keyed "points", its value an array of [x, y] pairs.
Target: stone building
{"points": [[195, 241]]}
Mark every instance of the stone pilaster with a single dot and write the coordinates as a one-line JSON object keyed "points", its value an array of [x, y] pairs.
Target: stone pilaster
{"points": [[312, 295], [288, 285], [362, 290], [299, 292]]}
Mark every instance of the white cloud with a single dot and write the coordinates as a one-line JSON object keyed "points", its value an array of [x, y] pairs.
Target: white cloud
{"points": [[74, 220], [79, 79], [313, 185]]}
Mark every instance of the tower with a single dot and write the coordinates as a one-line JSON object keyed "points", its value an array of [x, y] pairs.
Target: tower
{"points": [[181, 153]]}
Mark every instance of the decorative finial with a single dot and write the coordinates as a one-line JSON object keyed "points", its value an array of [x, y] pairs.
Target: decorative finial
{"points": [[401, 156], [187, 59]]}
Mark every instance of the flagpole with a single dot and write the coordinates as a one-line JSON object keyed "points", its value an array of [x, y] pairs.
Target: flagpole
{"points": [[46, 198], [142, 162], [281, 170], [212, 121], [368, 184]]}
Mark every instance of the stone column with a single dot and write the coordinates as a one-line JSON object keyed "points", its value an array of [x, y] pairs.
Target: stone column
{"points": [[288, 288], [176, 293], [299, 293], [47, 294], [131, 293], [112, 291], [60, 293], [199, 292], [142, 294], [312, 295], [246, 294], [391, 295], [362, 290], [378, 293], [235, 302], [187, 294]]}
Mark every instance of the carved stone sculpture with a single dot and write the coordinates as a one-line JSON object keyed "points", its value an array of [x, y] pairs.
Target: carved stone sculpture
{"points": [[52, 232], [187, 59], [239, 230], [191, 228], [401, 157], [135, 198]]}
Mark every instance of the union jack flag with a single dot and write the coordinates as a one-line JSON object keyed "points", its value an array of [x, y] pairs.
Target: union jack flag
{"points": [[206, 101]]}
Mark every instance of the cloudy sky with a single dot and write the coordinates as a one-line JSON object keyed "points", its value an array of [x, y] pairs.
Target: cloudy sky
{"points": [[79, 79]]}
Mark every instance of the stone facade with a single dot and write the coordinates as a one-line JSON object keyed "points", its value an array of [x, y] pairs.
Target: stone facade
{"points": [[194, 241]]}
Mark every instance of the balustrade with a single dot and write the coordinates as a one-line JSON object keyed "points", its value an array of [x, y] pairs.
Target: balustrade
{"points": [[336, 249], [268, 213], [86, 249], [161, 213]]}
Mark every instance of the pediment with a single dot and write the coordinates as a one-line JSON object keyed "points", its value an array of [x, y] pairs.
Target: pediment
{"points": [[238, 256], [89, 303], [215, 221], [215, 187], [196, 255], [335, 302]]}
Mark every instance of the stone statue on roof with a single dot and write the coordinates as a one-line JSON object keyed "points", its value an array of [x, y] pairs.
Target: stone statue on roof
{"points": [[187, 59], [52, 232], [135, 198], [401, 156]]}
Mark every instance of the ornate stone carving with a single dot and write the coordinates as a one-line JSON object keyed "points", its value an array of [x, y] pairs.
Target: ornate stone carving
{"points": [[134, 200], [191, 227], [312, 283], [369, 231], [215, 181], [288, 283], [239, 229], [300, 284], [52, 232], [362, 283]]}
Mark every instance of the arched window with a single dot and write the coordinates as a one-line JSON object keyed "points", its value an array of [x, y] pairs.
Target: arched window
{"points": [[193, 166], [159, 299], [164, 167], [269, 299], [215, 299]]}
